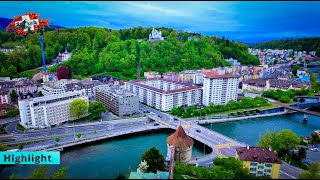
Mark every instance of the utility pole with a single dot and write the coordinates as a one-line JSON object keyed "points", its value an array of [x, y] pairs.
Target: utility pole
{"points": [[42, 52]]}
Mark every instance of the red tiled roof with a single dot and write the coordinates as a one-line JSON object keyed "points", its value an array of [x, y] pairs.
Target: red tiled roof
{"points": [[180, 139], [258, 154], [189, 86]]}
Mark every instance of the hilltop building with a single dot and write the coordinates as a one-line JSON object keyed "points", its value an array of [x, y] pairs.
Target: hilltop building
{"points": [[260, 161], [182, 144], [63, 56], [155, 35]]}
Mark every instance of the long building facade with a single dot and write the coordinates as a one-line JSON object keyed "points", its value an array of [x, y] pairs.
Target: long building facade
{"points": [[47, 110], [165, 94], [220, 89]]}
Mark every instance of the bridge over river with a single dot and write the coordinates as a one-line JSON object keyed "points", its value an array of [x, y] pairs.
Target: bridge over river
{"points": [[300, 106], [221, 145]]}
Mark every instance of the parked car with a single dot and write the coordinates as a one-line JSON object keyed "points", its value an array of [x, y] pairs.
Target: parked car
{"points": [[156, 124], [314, 149], [175, 119]]}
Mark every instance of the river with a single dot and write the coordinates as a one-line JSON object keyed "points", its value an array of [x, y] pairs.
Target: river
{"points": [[107, 158], [248, 131]]}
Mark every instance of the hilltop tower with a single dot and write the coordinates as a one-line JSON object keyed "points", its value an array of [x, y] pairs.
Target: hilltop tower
{"points": [[182, 144]]}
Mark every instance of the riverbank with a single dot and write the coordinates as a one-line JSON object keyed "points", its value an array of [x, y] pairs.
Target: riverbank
{"points": [[212, 121]]}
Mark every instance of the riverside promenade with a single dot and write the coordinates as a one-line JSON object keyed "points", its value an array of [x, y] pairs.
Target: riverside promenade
{"points": [[221, 120]]}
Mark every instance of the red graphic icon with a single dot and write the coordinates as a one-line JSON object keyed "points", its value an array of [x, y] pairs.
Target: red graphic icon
{"points": [[23, 23]]}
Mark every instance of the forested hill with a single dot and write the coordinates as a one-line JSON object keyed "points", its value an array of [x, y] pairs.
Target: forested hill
{"points": [[100, 50], [302, 44]]}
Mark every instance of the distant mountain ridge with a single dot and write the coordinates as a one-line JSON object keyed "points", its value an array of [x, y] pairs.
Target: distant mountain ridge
{"points": [[4, 22]]}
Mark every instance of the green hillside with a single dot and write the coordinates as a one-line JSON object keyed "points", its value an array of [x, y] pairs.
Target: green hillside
{"points": [[302, 44], [100, 50]]}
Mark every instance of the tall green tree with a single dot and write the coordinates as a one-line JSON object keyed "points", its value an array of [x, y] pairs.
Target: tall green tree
{"points": [[281, 142], [13, 95], [78, 108], [154, 159], [12, 71], [96, 108]]}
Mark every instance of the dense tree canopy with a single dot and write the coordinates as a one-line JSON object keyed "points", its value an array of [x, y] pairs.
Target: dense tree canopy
{"points": [[96, 108], [281, 142], [63, 72], [154, 159], [302, 44], [98, 50], [245, 103], [78, 108], [223, 168]]}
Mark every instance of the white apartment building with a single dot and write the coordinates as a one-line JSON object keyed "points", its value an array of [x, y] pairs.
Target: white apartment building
{"points": [[56, 87], [165, 94], [219, 89], [47, 110]]}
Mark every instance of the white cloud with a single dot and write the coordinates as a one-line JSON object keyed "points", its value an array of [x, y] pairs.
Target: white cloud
{"points": [[135, 7]]}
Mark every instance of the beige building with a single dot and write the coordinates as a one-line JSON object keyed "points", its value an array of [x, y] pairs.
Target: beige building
{"points": [[272, 84], [47, 110], [260, 161], [151, 74]]}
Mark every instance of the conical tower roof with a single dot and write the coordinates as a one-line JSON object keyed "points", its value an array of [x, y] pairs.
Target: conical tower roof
{"points": [[180, 139]]}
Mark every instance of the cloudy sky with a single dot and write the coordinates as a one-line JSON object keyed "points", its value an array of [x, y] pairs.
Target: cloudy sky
{"points": [[241, 21]]}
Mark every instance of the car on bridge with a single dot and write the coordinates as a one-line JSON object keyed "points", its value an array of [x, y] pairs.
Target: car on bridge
{"points": [[156, 124], [197, 130]]}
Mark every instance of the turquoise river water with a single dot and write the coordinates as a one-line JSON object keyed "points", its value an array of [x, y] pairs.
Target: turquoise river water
{"points": [[108, 158]]}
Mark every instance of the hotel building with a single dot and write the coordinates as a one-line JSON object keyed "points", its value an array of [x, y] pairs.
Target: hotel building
{"points": [[165, 94], [47, 110]]}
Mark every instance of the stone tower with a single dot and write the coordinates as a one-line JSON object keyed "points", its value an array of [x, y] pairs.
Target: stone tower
{"points": [[183, 145]]}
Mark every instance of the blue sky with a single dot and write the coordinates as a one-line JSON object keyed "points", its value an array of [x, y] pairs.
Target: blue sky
{"points": [[241, 21]]}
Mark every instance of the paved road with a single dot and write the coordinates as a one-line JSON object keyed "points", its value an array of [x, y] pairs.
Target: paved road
{"points": [[9, 120]]}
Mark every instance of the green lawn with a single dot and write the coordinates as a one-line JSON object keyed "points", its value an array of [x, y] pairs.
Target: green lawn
{"points": [[19, 127], [29, 73], [236, 110]]}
